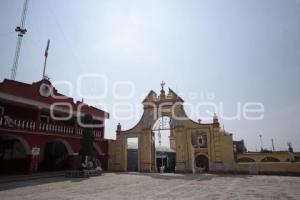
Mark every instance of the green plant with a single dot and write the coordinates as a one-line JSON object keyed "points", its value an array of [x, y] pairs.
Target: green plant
{"points": [[87, 137]]}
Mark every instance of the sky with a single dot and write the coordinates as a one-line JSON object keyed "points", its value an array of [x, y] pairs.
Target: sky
{"points": [[226, 52]]}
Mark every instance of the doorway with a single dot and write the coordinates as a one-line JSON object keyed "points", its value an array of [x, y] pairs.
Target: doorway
{"points": [[165, 154], [132, 154], [55, 157], [201, 162]]}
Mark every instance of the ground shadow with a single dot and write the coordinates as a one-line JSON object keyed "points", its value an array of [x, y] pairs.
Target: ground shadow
{"points": [[186, 176], [29, 181], [36, 181]]}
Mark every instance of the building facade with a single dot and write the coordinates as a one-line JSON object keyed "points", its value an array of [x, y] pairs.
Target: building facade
{"points": [[41, 129], [198, 146]]}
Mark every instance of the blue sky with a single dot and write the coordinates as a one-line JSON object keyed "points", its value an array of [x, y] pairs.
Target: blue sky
{"points": [[237, 50]]}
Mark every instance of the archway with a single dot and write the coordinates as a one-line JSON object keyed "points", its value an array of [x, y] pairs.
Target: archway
{"points": [[187, 137], [270, 159], [163, 140], [55, 155], [13, 154], [201, 162], [132, 150]]}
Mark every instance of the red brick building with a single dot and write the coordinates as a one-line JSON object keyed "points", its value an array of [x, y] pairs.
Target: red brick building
{"points": [[40, 129]]}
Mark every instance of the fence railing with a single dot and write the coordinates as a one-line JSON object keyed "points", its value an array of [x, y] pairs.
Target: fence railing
{"points": [[8, 122]]}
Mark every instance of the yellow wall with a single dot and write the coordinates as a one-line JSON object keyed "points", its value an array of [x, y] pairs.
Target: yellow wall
{"points": [[282, 156], [275, 167]]}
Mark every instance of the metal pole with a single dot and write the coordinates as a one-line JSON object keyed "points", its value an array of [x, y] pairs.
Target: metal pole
{"points": [[45, 62], [21, 32], [273, 145], [16, 58], [261, 142]]}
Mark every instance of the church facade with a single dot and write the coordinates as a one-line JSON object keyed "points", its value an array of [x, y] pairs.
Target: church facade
{"points": [[198, 146]]}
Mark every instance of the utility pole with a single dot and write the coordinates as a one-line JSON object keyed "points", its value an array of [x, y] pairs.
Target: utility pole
{"points": [[21, 30]]}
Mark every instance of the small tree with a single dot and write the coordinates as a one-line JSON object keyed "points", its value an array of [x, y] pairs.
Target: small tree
{"points": [[87, 137]]}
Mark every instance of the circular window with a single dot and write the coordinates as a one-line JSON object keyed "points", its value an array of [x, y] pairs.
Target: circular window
{"points": [[45, 90]]}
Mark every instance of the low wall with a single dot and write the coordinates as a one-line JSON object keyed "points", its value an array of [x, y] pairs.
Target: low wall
{"points": [[282, 156], [269, 168]]}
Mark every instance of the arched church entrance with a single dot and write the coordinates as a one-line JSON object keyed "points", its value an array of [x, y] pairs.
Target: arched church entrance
{"points": [[201, 163]]}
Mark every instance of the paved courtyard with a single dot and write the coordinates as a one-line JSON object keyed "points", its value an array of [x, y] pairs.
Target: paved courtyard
{"points": [[155, 186]]}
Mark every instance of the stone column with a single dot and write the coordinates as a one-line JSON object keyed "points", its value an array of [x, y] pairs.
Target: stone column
{"points": [[120, 153], [73, 162], [145, 151], [182, 160], [193, 159]]}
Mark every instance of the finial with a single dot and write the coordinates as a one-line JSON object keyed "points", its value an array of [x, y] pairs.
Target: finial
{"points": [[162, 91], [119, 127], [162, 85], [215, 118]]}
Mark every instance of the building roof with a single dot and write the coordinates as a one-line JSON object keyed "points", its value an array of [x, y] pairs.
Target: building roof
{"points": [[31, 92]]}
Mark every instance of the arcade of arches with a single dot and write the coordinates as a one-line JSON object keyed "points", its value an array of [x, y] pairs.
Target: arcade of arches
{"points": [[17, 156]]}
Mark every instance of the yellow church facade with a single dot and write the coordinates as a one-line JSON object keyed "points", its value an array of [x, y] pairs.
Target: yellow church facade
{"points": [[199, 146]]}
